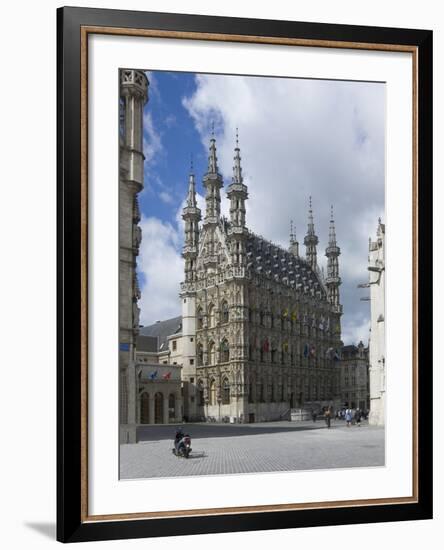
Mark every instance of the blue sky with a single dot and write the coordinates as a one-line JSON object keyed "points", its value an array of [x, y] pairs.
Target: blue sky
{"points": [[297, 138]]}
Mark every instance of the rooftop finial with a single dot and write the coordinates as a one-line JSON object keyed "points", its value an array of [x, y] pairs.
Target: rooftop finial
{"points": [[212, 129], [237, 170], [237, 137], [191, 163]]}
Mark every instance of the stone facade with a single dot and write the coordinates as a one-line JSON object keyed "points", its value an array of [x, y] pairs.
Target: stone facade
{"points": [[355, 377], [376, 268], [133, 96], [261, 328]]}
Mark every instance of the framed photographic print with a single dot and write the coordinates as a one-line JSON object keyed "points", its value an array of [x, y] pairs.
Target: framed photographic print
{"points": [[244, 285]]}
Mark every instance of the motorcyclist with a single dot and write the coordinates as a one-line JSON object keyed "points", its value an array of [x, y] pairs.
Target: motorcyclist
{"points": [[178, 438]]}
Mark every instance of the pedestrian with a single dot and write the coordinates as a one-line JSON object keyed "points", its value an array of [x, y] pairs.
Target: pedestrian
{"points": [[313, 415], [327, 416], [348, 417], [358, 417]]}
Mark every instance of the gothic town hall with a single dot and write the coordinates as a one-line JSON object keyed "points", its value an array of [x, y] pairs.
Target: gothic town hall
{"points": [[260, 331]]}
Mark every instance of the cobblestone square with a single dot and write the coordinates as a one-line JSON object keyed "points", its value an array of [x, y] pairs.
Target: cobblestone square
{"points": [[248, 448]]}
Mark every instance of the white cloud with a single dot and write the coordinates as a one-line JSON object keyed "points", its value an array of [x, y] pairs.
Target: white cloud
{"points": [[301, 138], [161, 267], [166, 197], [152, 143]]}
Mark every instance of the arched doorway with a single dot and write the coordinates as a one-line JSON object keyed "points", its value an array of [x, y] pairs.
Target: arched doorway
{"points": [[144, 409], [158, 408]]}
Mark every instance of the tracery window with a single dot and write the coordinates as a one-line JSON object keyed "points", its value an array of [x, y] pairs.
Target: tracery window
{"points": [[212, 316], [200, 393], [225, 392], [199, 318], [224, 312], [212, 353], [224, 352], [213, 392], [199, 352]]}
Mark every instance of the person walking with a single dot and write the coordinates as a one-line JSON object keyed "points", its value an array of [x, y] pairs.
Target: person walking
{"points": [[327, 415], [348, 417], [358, 417]]}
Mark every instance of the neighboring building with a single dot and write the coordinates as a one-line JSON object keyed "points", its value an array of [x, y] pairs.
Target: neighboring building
{"points": [[159, 394], [261, 328], [133, 96], [376, 268], [355, 377]]}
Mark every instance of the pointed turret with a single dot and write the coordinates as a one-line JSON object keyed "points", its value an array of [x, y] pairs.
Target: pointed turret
{"points": [[311, 240], [294, 245], [332, 252], [191, 215], [237, 193], [212, 182]]}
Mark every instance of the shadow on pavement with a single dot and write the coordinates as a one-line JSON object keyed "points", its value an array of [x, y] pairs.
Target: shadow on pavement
{"points": [[210, 430]]}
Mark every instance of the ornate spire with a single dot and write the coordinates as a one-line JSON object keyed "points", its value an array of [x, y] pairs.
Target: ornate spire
{"points": [[332, 252], [212, 182], [212, 159], [191, 197], [311, 240], [332, 231], [237, 170], [294, 245]]}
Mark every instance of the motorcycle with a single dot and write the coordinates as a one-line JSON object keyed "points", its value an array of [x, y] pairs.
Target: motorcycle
{"points": [[182, 446]]}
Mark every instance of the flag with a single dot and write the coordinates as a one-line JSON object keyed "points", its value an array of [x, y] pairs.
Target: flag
{"points": [[285, 346], [294, 316], [153, 375], [285, 313], [265, 345], [306, 350], [328, 353], [167, 376], [336, 356], [313, 351]]}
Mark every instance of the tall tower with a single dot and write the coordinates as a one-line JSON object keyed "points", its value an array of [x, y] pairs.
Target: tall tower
{"points": [[237, 193], [191, 215], [133, 96], [294, 245], [212, 181], [332, 252], [311, 240]]}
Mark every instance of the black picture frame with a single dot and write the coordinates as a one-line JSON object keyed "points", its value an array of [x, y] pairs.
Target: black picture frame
{"points": [[71, 523]]}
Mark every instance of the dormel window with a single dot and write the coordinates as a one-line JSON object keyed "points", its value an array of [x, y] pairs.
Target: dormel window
{"points": [[174, 345]]}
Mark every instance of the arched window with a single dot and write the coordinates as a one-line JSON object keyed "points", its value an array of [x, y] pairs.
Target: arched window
{"points": [[211, 316], [144, 408], [200, 394], [213, 392], [199, 318], [225, 392], [212, 353], [224, 312], [199, 353], [224, 352]]}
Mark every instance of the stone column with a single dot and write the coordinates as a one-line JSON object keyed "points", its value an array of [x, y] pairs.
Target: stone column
{"points": [[165, 407]]}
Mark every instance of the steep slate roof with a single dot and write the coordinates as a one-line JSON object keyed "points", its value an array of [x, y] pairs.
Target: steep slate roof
{"points": [[278, 264], [146, 343], [161, 330]]}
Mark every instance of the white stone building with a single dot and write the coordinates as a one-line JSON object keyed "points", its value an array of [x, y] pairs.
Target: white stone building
{"points": [[376, 268]]}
